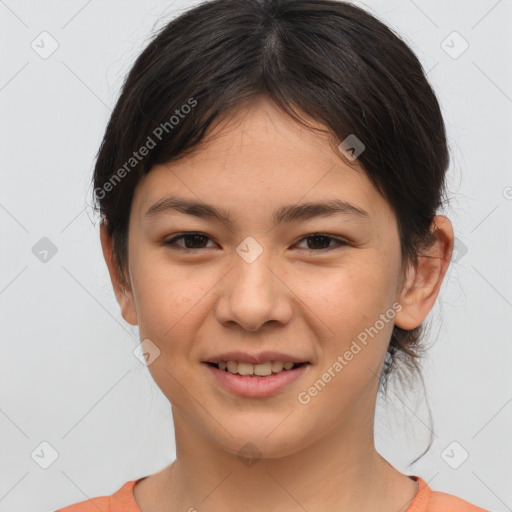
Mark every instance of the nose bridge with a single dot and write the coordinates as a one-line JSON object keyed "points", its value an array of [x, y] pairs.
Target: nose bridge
{"points": [[253, 293]]}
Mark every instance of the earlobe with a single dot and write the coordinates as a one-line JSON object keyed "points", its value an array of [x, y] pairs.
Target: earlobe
{"points": [[423, 280], [121, 288]]}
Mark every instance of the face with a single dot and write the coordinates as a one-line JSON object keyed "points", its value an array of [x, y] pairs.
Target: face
{"points": [[274, 280]]}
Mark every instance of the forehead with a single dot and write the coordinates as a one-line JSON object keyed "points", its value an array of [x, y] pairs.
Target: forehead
{"points": [[257, 159]]}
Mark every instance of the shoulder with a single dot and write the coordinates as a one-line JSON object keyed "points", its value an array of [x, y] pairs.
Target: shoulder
{"points": [[93, 504], [441, 501], [121, 501], [427, 500]]}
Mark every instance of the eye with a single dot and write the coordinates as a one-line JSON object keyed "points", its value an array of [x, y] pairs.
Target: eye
{"points": [[320, 239], [196, 241], [192, 241]]}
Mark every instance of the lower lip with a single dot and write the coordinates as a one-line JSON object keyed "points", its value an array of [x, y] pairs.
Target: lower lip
{"points": [[256, 387]]}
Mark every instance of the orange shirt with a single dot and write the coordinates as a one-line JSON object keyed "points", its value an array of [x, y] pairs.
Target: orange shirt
{"points": [[426, 500]]}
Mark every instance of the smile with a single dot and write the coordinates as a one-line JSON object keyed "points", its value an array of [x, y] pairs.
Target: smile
{"points": [[255, 380], [260, 370]]}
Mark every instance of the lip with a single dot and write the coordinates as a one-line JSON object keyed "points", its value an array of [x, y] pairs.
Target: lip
{"points": [[256, 387], [260, 357]]}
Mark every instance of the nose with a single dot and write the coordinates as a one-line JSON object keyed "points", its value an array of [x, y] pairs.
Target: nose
{"points": [[253, 294]]}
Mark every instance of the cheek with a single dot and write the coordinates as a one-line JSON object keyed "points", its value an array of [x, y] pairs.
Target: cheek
{"points": [[168, 299], [349, 297], [352, 311]]}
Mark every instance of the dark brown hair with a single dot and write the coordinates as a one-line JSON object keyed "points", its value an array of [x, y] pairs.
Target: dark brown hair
{"points": [[327, 59]]}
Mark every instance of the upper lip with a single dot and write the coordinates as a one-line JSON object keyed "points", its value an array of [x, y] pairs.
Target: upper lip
{"points": [[255, 358]]}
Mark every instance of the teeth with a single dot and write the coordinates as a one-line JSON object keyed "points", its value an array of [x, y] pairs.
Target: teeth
{"points": [[260, 369], [277, 366], [263, 369], [245, 368]]}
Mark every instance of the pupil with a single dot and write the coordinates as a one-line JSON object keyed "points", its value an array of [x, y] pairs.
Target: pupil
{"points": [[317, 237], [194, 238]]}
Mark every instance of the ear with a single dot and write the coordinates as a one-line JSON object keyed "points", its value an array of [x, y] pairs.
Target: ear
{"points": [[121, 286], [423, 280]]}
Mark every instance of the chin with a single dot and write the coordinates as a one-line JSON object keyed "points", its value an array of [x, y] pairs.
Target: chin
{"points": [[262, 442]]}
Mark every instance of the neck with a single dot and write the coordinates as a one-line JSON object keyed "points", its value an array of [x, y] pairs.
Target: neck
{"points": [[340, 471]]}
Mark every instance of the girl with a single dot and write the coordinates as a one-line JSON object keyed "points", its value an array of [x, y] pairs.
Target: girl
{"points": [[269, 184]]}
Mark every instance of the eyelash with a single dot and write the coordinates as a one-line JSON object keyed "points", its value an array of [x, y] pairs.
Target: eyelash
{"points": [[171, 242]]}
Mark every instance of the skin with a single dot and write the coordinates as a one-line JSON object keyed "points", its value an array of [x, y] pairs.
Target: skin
{"points": [[295, 298]]}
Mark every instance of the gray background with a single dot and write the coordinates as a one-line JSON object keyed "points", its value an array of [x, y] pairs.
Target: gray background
{"points": [[68, 374]]}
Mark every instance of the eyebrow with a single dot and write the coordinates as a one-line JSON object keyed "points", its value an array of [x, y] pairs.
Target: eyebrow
{"points": [[284, 214]]}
